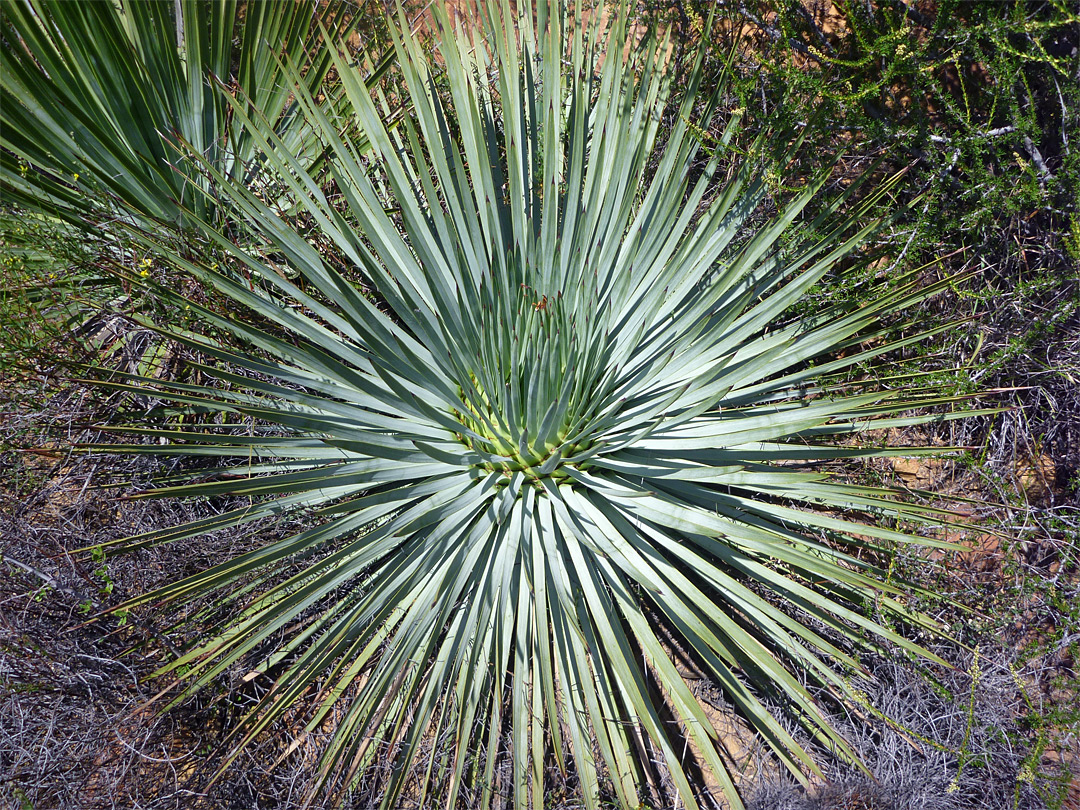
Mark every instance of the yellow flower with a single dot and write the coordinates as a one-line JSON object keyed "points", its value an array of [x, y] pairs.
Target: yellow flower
{"points": [[144, 273], [76, 176]]}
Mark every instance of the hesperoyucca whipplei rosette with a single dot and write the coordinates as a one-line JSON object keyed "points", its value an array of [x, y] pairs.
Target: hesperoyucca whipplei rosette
{"points": [[578, 435]]}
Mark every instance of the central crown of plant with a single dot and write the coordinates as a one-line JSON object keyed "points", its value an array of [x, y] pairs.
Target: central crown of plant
{"points": [[574, 436], [527, 425]]}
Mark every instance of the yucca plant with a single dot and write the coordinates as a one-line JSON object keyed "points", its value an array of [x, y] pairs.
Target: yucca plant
{"points": [[109, 109], [575, 433], [106, 96]]}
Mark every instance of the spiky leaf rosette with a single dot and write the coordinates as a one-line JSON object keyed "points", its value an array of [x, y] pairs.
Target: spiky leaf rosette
{"points": [[101, 95], [577, 434]]}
